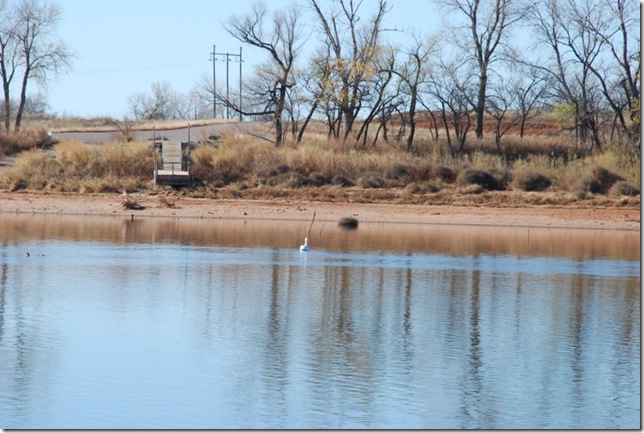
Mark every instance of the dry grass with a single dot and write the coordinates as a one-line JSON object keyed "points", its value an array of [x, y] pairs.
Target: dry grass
{"points": [[72, 166], [16, 142], [539, 171]]}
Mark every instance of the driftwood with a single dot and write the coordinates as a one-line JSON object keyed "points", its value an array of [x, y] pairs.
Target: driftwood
{"points": [[129, 203], [167, 203]]}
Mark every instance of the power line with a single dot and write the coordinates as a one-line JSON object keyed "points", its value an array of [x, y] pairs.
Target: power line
{"points": [[226, 57]]}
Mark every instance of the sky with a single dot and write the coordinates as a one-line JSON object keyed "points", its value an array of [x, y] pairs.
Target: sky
{"points": [[122, 47]]}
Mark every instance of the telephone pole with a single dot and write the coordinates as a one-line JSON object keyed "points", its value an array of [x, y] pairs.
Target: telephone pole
{"points": [[226, 57], [214, 84]]}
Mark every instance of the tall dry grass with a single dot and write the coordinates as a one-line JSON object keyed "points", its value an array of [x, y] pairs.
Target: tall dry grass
{"points": [[16, 142], [72, 166], [544, 171]]}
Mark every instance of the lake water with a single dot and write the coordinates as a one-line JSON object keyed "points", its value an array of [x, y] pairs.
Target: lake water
{"points": [[212, 324]]}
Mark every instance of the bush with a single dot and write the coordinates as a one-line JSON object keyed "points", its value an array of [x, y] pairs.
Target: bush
{"points": [[532, 181], [589, 184], [203, 163], [340, 180], [15, 142], [478, 177], [274, 170], [606, 178], [502, 177], [445, 174], [599, 182], [77, 167], [423, 187], [370, 180], [316, 179], [624, 188], [397, 172]]}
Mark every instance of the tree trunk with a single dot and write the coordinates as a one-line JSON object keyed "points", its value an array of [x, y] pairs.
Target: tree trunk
{"points": [[23, 99], [306, 123], [480, 105], [412, 119], [7, 107]]}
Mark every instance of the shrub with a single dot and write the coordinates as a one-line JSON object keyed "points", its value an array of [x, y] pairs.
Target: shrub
{"points": [[532, 181], [296, 180], [340, 180], [273, 174], [299, 180], [445, 174], [502, 177], [15, 142], [606, 178], [473, 189], [397, 172], [370, 180], [478, 177], [279, 168], [588, 184], [77, 167], [423, 187], [316, 179], [624, 188], [203, 163]]}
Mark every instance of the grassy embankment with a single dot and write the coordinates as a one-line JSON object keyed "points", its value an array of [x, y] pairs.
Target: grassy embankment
{"points": [[536, 170]]}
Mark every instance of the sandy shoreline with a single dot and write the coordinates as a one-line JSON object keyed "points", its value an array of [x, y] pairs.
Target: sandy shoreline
{"points": [[184, 207]]}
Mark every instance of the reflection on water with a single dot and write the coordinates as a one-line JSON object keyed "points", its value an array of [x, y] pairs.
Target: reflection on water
{"points": [[403, 238], [114, 323]]}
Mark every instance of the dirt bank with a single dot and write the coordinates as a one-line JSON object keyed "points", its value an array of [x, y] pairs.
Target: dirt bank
{"points": [[184, 207]]}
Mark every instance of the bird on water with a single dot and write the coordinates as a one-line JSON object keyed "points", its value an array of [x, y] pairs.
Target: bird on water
{"points": [[305, 247]]}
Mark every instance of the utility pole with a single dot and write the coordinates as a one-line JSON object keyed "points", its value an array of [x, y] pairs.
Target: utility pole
{"points": [[226, 57], [214, 84], [240, 83]]}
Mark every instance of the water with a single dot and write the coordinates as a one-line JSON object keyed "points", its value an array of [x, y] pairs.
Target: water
{"points": [[119, 324]]}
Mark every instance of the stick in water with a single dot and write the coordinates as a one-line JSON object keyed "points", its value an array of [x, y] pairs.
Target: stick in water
{"points": [[311, 226]]}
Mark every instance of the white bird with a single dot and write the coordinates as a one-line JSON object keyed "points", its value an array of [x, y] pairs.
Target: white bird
{"points": [[305, 247]]}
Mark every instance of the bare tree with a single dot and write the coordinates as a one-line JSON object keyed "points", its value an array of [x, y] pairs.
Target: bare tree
{"points": [[322, 85], [30, 48], [351, 50], [413, 73], [378, 94], [616, 73], [8, 58], [452, 92], [529, 87], [282, 43], [575, 50], [159, 105], [488, 23], [514, 99]]}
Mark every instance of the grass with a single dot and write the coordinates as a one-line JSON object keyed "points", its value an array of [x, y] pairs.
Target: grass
{"points": [[539, 171], [72, 166], [16, 142]]}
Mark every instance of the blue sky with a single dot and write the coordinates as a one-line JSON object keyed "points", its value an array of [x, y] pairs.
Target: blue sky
{"points": [[123, 46]]}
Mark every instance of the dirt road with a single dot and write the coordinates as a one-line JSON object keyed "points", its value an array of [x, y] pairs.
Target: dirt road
{"points": [[197, 132]]}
